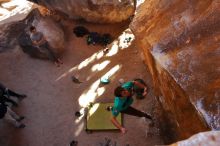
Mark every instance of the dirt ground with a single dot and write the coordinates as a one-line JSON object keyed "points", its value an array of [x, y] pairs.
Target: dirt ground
{"points": [[53, 98]]}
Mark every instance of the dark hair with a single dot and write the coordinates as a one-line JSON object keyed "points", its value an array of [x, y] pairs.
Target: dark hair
{"points": [[32, 28], [118, 91], [1, 92]]}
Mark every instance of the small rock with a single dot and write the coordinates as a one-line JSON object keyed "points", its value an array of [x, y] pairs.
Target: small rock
{"points": [[75, 80]]}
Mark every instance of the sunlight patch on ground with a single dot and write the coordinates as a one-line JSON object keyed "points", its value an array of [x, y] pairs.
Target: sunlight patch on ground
{"points": [[125, 39], [114, 49], [82, 111], [95, 91], [83, 64], [79, 119], [93, 109], [122, 42], [14, 10], [100, 66], [79, 129], [111, 72], [90, 95], [90, 60], [100, 91]]}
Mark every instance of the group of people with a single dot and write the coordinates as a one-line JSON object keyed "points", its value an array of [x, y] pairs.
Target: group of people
{"points": [[9, 98], [123, 93], [122, 103]]}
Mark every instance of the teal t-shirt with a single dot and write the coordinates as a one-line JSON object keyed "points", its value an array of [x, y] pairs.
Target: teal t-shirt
{"points": [[122, 103], [128, 86]]}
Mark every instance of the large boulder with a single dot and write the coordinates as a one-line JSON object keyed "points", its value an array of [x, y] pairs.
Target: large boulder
{"points": [[99, 11], [180, 41], [51, 31], [17, 33], [8, 35]]}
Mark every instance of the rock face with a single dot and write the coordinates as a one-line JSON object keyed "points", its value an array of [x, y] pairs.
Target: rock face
{"points": [[11, 25], [52, 32], [211, 138], [99, 11], [180, 40]]}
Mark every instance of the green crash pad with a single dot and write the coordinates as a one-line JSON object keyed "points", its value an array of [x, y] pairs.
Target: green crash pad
{"points": [[98, 118]]}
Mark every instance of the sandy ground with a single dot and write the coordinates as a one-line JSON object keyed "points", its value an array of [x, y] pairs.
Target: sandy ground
{"points": [[53, 98]]}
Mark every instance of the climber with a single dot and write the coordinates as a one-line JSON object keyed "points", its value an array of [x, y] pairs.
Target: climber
{"points": [[39, 41], [123, 101]]}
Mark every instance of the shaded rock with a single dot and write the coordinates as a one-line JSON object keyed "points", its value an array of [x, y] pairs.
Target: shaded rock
{"points": [[51, 31], [8, 35], [98, 11], [27, 47], [180, 42]]}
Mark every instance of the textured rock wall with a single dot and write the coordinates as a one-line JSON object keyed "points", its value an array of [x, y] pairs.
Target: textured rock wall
{"points": [[210, 138], [180, 40], [99, 11]]}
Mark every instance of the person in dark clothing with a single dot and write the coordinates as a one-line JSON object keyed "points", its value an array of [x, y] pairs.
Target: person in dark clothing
{"points": [[3, 110], [39, 41], [4, 99], [6, 93], [123, 101], [10, 116]]}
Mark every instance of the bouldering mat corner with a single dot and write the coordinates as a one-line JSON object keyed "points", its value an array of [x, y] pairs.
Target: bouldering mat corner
{"points": [[99, 118]]}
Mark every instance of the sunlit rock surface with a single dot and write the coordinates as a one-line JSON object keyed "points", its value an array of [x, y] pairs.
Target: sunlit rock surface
{"points": [[211, 138], [99, 11], [181, 43], [14, 10]]}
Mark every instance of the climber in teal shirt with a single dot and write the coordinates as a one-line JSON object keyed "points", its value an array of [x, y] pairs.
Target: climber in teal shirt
{"points": [[123, 101]]}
